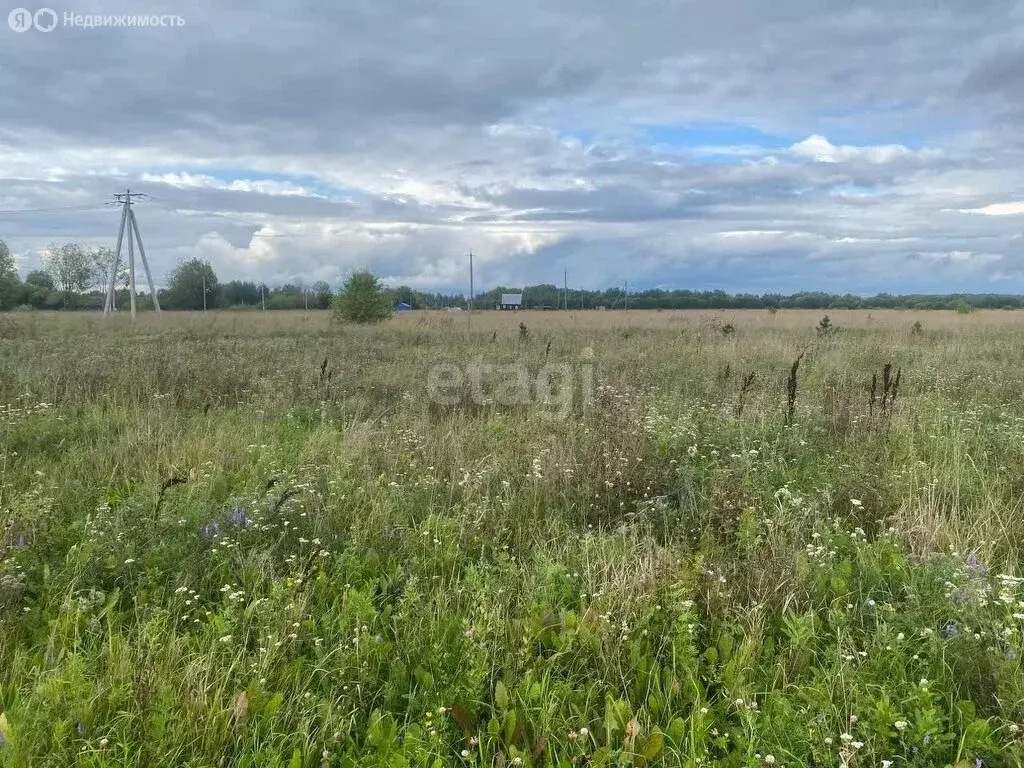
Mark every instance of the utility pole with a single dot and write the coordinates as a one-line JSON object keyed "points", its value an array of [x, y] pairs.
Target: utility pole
{"points": [[625, 292], [130, 224], [204, 293], [305, 298], [565, 288], [263, 296], [471, 288]]}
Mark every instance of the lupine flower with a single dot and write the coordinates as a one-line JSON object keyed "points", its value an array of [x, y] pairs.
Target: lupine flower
{"points": [[238, 516], [80, 727], [950, 629], [975, 563]]}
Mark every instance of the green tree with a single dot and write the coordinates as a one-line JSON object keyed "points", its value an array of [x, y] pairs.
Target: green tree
{"points": [[187, 283], [320, 295], [38, 287], [10, 286], [362, 299], [72, 270], [102, 262]]}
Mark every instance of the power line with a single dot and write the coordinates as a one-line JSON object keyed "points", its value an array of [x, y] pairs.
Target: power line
{"points": [[93, 207]]}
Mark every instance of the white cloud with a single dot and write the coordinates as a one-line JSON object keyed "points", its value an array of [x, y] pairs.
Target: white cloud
{"points": [[997, 209], [821, 150]]}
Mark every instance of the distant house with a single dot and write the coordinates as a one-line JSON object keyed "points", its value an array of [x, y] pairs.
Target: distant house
{"points": [[511, 301], [402, 307]]}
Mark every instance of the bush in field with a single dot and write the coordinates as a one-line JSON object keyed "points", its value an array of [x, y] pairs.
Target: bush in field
{"points": [[362, 299]]}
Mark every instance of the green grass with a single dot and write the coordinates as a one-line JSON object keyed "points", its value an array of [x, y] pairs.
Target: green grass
{"points": [[218, 549]]}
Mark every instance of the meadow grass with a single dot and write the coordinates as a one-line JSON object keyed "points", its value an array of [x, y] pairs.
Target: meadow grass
{"points": [[258, 539]]}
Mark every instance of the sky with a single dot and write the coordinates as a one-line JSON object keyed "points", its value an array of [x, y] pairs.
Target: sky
{"points": [[750, 146]]}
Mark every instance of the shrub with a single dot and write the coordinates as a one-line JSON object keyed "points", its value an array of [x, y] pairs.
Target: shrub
{"points": [[362, 299], [825, 327]]}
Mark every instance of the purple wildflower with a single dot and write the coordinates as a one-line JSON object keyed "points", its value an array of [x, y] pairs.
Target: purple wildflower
{"points": [[950, 629], [927, 739], [238, 516], [975, 564], [978, 762], [80, 727], [21, 540]]}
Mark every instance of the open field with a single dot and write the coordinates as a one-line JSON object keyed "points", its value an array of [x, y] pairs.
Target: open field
{"points": [[260, 539]]}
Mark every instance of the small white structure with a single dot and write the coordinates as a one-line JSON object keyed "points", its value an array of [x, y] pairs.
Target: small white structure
{"points": [[511, 301]]}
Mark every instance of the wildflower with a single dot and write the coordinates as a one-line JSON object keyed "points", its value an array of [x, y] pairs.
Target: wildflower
{"points": [[950, 629], [769, 759], [1014, 729], [887, 764], [975, 564], [465, 753], [845, 738], [857, 502], [901, 725], [238, 516], [226, 639], [104, 742], [129, 561], [857, 744], [80, 728], [584, 732]]}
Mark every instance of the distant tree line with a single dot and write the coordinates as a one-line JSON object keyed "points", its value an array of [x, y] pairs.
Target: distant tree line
{"points": [[74, 277]]}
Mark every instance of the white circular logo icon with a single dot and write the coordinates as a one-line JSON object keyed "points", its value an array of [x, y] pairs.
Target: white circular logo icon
{"points": [[20, 20], [45, 19]]}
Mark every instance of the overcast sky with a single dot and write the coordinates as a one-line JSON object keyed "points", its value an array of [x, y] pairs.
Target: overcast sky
{"points": [[833, 145]]}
